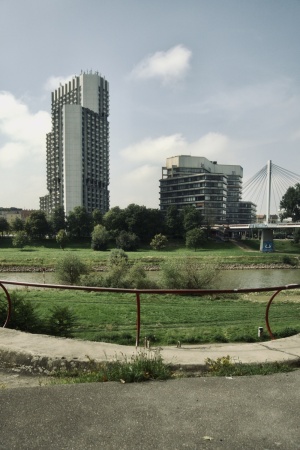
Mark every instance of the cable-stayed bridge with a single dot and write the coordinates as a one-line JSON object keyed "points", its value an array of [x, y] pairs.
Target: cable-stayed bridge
{"points": [[266, 189]]}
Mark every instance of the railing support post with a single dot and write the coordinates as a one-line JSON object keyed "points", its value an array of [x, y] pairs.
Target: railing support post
{"points": [[138, 319], [267, 313], [9, 309]]}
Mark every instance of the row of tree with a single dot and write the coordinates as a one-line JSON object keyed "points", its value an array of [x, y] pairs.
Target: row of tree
{"points": [[143, 222]]}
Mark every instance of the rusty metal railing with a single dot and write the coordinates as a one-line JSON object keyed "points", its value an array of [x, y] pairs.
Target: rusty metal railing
{"points": [[138, 292]]}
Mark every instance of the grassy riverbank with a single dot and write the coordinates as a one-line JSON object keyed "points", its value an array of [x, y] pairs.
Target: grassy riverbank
{"points": [[46, 254], [167, 319]]}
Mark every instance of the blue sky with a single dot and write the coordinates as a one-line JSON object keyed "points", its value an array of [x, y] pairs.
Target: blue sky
{"points": [[213, 78]]}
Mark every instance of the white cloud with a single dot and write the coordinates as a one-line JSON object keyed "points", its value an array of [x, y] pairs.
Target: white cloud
{"points": [[156, 150], [168, 66], [139, 182], [53, 82], [22, 151]]}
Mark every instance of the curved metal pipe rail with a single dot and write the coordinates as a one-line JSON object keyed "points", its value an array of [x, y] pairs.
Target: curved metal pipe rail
{"points": [[138, 292]]}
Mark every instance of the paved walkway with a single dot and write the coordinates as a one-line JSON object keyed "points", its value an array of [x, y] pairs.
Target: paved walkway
{"points": [[227, 413], [39, 353]]}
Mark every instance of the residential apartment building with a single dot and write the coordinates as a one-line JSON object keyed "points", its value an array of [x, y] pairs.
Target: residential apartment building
{"points": [[215, 189], [78, 146], [11, 214]]}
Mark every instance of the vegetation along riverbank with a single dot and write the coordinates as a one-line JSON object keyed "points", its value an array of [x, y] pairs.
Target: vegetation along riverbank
{"points": [[167, 319]]}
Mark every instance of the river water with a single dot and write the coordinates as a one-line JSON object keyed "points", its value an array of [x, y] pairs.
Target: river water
{"points": [[227, 279]]}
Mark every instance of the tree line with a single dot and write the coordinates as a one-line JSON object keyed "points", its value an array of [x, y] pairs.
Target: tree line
{"points": [[129, 227]]}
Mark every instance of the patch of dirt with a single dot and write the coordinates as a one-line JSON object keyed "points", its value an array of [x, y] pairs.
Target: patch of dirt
{"points": [[12, 379]]}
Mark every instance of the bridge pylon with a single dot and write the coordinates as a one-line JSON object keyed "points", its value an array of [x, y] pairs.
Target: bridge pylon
{"points": [[266, 241]]}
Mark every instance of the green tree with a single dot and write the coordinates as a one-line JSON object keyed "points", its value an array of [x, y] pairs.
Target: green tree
{"points": [[20, 239], [159, 241], [62, 239], [18, 224], [143, 222], [69, 269], [173, 222], [114, 221], [4, 225], [127, 241], [79, 222], [290, 203], [36, 225], [195, 238], [100, 238], [58, 220], [97, 217], [192, 218]]}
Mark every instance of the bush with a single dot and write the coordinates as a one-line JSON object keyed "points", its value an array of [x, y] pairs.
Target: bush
{"points": [[61, 321], [137, 278], [159, 241], [127, 241], [117, 256], [93, 280], [69, 269], [290, 261], [187, 274], [100, 238], [62, 239], [24, 315], [20, 239], [117, 276]]}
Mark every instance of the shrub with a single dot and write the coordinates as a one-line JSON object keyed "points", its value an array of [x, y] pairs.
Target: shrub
{"points": [[24, 315], [288, 260], [137, 278], [62, 239], [100, 238], [187, 274], [69, 269], [296, 236], [61, 321], [93, 280], [117, 276], [117, 256], [127, 241], [20, 239], [159, 241]]}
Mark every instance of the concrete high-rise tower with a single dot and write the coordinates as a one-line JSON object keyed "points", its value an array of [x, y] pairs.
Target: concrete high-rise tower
{"points": [[78, 146]]}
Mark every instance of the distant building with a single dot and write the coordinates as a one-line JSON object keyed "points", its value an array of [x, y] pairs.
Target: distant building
{"points": [[215, 189], [11, 214], [261, 218], [78, 146]]}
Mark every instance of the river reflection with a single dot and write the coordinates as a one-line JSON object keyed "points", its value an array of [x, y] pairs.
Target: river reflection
{"points": [[256, 278], [227, 279]]}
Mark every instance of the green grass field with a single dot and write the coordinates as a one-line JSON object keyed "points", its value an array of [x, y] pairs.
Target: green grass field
{"points": [[167, 319], [46, 253]]}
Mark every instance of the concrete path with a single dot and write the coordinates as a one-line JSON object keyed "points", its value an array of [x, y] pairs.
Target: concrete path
{"points": [[242, 413], [228, 413], [39, 353]]}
